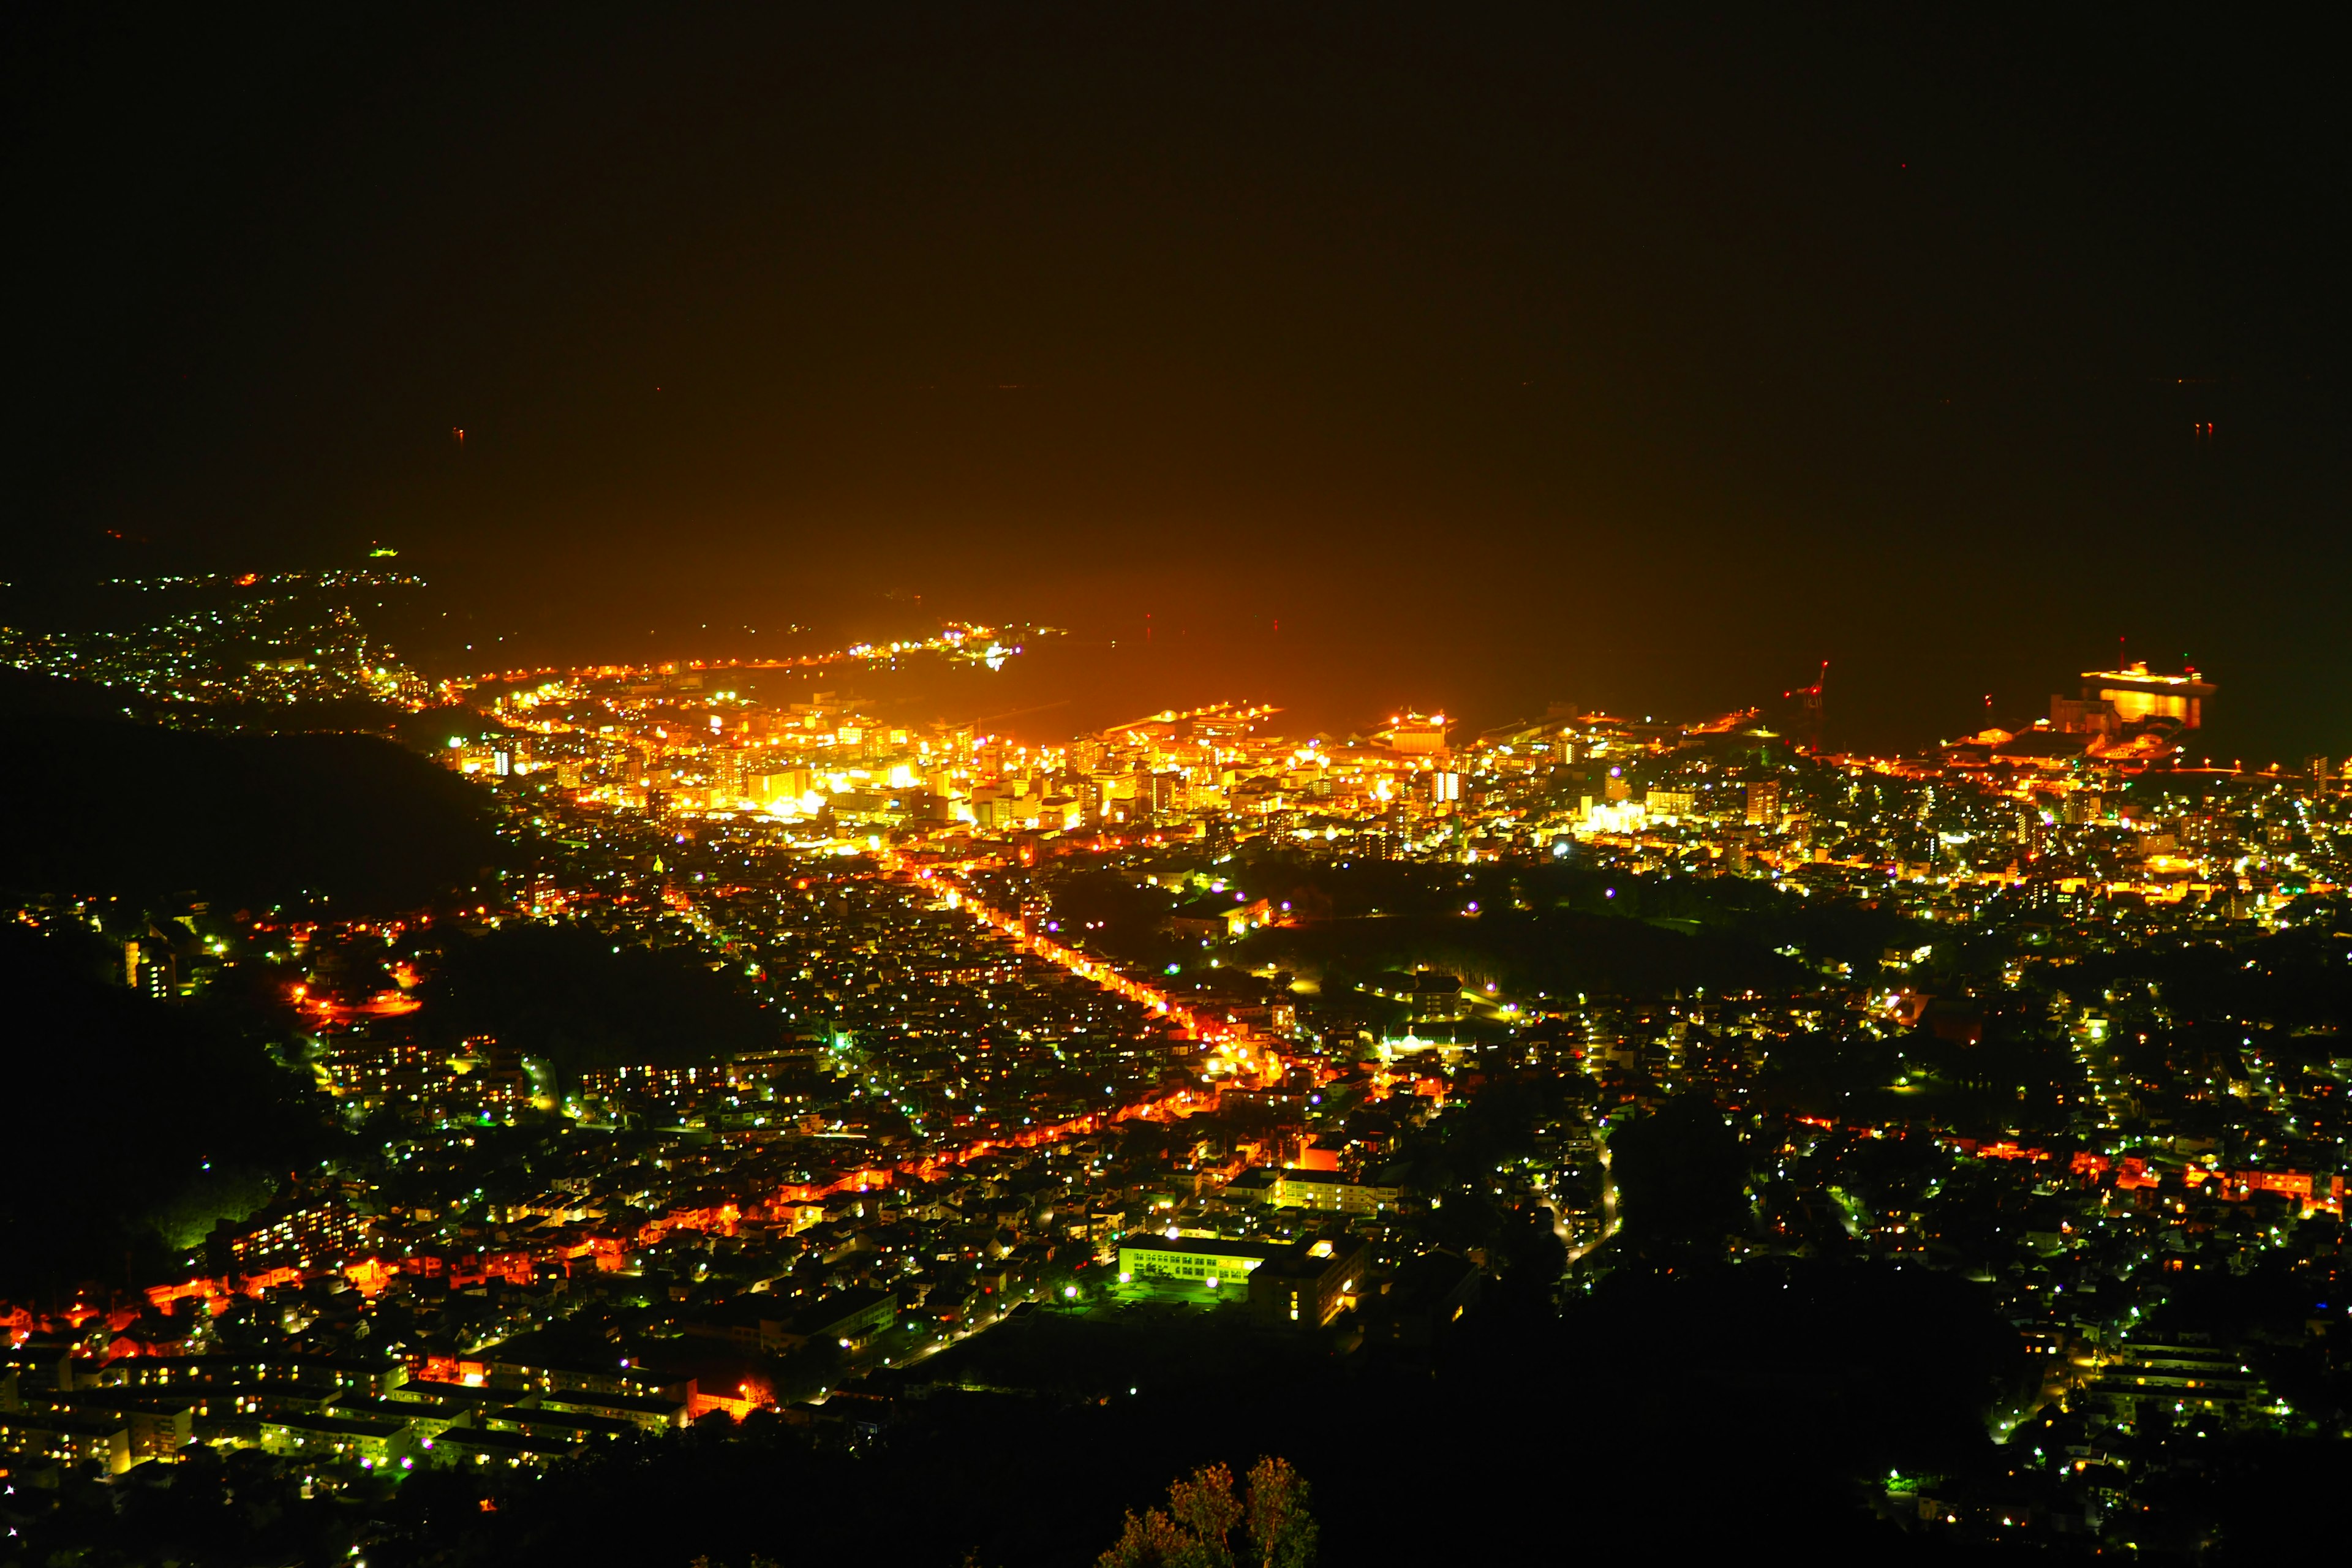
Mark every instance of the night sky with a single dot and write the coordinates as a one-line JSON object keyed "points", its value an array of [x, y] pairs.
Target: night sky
{"points": [[1498, 356]]}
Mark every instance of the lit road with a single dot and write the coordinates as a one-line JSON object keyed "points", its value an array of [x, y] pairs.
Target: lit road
{"points": [[1608, 1207]]}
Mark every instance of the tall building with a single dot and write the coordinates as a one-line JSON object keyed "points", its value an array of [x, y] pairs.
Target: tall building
{"points": [[1764, 803], [726, 771]]}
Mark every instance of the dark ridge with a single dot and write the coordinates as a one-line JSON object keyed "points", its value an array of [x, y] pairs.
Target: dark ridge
{"points": [[29, 694], [563, 993], [194, 1116], [93, 805]]}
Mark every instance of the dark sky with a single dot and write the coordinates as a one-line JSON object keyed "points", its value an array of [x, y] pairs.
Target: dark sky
{"points": [[1498, 355]]}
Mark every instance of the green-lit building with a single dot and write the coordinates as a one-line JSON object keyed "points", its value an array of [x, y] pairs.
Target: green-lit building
{"points": [[1298, 1285], [1205, 1263]]}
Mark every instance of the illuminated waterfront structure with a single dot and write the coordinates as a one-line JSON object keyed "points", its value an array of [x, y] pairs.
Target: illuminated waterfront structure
{"points": [[2137, 694]]}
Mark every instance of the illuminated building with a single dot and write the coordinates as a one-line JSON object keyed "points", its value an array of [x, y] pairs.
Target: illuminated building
{"points": [[309, 1435], [1324, 1192], [1416, 735], [1223, 1267], [303, 1234], [2137, 694], [1219, 915], [778, 784], [562, 1425], [2085, 715], [1427, 994], [849, 1320], [160, 1425], [296, 1378], [68, 1437], [727, 774], [765, 1324], [1306, 1285], [151, 966], [751, 1324], [650, 1413], [2152, 1372], [483, 1448], [523, 1363], [1764, 803]]}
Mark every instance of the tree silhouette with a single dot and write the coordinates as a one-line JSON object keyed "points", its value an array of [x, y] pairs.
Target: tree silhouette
{"points": [[1196, 1529], [1681, 1178]]}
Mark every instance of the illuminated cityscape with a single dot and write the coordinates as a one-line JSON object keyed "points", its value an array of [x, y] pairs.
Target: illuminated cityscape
{"points": [[1167, 790], [934, 1028]]}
